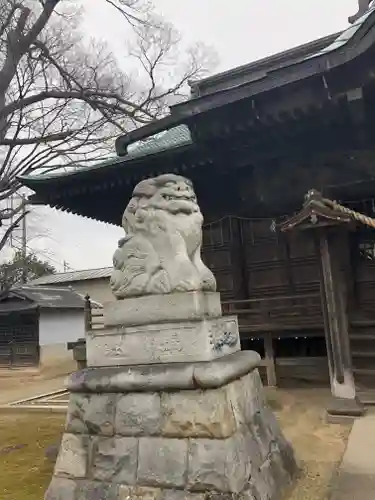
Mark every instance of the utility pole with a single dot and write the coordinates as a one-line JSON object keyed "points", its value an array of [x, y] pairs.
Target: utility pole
{"points": [[24, 241], [11, 219]]}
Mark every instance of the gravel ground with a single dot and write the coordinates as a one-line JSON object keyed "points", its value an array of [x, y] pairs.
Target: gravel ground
{"points": [[319, 446]]}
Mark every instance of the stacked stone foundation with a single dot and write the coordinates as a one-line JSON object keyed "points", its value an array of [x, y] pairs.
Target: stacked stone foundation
{"points": [[191, 431]]}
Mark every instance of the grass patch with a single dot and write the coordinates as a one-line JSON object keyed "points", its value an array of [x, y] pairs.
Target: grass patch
{"points": [[25, 472]]}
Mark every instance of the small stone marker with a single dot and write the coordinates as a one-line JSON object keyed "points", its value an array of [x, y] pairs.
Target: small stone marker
{"points": [[169, 406]]}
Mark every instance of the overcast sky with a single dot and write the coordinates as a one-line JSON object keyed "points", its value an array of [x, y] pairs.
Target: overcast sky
{"points": [[240, 31]]}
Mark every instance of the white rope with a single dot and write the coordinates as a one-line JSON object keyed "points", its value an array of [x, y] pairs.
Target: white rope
{"points": [[364, 219]]}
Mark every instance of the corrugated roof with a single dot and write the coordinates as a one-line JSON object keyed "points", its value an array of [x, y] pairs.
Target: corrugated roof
{"points": [[71, 276], [9, 306], [47, 297]]}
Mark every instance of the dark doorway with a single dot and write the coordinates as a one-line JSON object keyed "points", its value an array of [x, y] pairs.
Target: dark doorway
{"points": [[19, 338]]}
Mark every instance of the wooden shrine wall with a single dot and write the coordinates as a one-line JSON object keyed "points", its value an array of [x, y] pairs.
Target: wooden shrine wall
{"points": [[362, 298], [253, 261], [222, 253], [271, 282]]}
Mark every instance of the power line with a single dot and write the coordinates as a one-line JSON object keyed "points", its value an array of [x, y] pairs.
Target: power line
{"points": [[22, 240], [46, 256]]}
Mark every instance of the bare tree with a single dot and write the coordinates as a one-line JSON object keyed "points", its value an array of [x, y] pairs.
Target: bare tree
{"points": [[64, 100]]}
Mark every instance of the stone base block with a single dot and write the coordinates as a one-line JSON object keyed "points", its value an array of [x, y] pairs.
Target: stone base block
{"points": [[173, 307], [186, 341], [339, 419], [167, 377], [192, 444], [340, 410]]}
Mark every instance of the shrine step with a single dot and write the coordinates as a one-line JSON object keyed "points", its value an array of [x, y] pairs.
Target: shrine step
{"points": [[362, 341], [367, 397], [363, 354]]}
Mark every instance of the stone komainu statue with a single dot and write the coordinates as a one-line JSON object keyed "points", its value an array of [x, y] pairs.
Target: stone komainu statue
{"points": [[161, 251]]}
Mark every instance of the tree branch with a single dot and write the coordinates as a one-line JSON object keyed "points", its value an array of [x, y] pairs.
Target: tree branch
{"points": [[38, 140], [62, 100], [84, 95], [10, 229]]}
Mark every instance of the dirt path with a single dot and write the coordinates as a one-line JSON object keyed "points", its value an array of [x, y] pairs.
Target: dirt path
{"points": [[19, 384], [319, 447]]}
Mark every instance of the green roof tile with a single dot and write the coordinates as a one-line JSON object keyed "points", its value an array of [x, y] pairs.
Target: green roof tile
{"points": [[175, 137]]}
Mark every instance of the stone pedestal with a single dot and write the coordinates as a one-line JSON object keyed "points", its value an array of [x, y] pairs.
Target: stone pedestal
{"points": [[201, 340], [172, 431], [169, 308], [173, 328], [169, 408]]}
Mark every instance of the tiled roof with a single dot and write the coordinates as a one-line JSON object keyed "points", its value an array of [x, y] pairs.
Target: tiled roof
{"points": [[346, 35], [175, 137], [72, 276], [45, 297], [163, 141], [255, 69]]}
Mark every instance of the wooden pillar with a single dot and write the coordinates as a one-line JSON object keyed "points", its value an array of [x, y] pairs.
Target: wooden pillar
{"points": [[334, 300], [330, 225], [269, 357]]}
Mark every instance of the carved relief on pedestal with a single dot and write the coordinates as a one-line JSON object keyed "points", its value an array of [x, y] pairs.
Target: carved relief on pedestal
{"points": [[161, 251], [225, 334]]}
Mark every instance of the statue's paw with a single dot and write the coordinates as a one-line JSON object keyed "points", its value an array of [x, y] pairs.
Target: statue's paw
{"points": [[208, 281], [159, 283], [209, 286], [188, 285]]}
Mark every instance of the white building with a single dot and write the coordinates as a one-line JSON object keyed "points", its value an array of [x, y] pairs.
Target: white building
{"points": [[37, 322]]}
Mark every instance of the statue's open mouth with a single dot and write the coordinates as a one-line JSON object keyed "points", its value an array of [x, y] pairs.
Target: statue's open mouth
{"points": [[181, 204], [178, 196]]}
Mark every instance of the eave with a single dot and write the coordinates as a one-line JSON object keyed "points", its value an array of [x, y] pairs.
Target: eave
{"points": [[99, 187], [315, 215]]}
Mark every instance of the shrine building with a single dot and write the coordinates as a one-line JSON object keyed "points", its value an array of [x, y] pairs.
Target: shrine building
{"points": [[281, 152]]}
